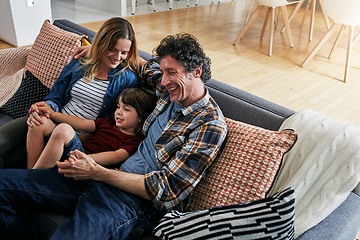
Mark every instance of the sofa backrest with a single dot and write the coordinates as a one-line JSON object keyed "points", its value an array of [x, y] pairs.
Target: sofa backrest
{"points": [[246, 107], [235, 103]]}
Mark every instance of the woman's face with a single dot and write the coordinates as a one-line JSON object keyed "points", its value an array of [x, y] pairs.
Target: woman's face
{"points": [[120, 52]]}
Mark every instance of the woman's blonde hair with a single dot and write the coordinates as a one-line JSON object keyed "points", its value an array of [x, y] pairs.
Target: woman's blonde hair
{"points": [[105, 40]]}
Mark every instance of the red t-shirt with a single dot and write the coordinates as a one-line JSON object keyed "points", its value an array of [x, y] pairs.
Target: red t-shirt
{"points": [[108, 138]]}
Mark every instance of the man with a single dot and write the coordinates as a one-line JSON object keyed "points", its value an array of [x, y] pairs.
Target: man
{"points": [[184, 135]]}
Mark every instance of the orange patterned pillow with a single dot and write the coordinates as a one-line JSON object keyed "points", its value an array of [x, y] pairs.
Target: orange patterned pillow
{"points": [[51, 51], [246, 168]]}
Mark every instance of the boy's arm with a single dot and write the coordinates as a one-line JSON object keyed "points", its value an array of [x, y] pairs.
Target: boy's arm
{"points": [[110, 157], [76, 122]]}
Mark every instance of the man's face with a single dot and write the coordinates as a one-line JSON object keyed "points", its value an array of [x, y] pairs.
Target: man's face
{"points": [[180, 85]]}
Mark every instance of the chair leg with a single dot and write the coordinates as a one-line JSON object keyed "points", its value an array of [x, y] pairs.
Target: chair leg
{"points": [[313, 8], [287, 25], [170, 4], [268, 12], [293, 13], [336, 41], [133, 2], [326, 17], [272, 27], [348, 55], [153, 3], [321, 43], [248, 24]]}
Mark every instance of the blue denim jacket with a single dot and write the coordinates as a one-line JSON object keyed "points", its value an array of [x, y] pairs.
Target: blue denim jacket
{"points": [[60, 92]]}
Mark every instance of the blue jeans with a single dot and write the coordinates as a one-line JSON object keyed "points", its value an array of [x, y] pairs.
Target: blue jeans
{"points": [[100, 211], [72, 145]]}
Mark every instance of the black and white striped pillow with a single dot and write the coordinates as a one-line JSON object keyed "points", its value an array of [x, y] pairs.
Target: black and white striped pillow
{"points": [[268, 218]]}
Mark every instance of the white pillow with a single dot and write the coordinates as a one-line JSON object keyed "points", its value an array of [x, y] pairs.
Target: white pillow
{"points": [[323, 166]]}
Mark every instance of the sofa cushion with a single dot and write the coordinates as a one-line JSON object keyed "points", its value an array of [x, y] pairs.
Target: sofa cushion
{"points": [[268, 218], [30, 91], [51, 51], [246, 168], [323, 167]]}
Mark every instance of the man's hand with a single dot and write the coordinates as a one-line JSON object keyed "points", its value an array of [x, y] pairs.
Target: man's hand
{"points": [[79, 166], [81, 51]]}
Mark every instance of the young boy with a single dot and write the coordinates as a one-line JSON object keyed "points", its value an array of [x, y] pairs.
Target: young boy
{"points": [[114, 139]]}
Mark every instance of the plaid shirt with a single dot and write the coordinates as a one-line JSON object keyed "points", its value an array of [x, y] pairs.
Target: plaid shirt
{"points": [[188, 145]]}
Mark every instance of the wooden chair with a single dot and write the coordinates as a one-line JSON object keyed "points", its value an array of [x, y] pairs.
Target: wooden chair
{"points": [[346, 14], [271, 5], [134, 3], [311, 3], [187, 3], [212, 2]]}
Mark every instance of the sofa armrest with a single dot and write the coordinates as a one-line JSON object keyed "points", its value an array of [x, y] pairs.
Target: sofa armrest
{"points": [[12, 63], [342, 223], [357, 189]]}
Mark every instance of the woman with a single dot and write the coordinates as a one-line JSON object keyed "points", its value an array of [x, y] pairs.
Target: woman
{"points": [[88, 87]]}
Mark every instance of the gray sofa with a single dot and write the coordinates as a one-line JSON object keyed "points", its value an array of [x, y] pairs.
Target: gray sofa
{"points": [[343, 223]]}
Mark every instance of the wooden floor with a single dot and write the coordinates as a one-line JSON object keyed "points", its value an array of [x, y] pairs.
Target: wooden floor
{"points": [[4, 45], [278, 78]]}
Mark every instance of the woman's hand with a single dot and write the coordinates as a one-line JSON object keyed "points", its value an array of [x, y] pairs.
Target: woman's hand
{"points": [[35, 113], [79, 166], [46, 110]]}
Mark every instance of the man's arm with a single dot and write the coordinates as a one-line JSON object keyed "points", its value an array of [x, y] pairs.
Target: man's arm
{"points": [[150, 75], [182, 171], [82, 167], [81, 51]]}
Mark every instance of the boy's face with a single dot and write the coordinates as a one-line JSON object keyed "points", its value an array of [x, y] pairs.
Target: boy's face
{"points": [[126, 117]]}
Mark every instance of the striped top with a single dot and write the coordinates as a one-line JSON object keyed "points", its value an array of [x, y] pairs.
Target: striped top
{"points": [[86, 99]]}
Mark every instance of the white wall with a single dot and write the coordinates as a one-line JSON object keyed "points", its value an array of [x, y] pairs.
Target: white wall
{"points": [[19, 24]]}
